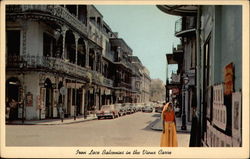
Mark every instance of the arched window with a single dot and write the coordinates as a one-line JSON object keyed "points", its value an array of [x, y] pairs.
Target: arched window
{"points": [[70, 46]]}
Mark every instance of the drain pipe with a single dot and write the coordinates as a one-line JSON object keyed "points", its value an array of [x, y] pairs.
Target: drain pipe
{"points": [[198, 74]]}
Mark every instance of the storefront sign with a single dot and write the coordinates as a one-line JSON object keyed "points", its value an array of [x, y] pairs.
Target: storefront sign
{"points": [[63, 91], [219, 109], [29, 100], [228, 77], [107, 92]]}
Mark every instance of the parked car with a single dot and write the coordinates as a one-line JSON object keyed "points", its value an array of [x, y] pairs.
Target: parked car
{"points": [[147, 109], [107, 111], [123, 111], [128, 109], [118, 106], [138, 108], [158, 109], [133, 108]]}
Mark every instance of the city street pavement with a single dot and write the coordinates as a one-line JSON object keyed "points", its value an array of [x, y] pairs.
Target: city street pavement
{"points": [[130, 131]]}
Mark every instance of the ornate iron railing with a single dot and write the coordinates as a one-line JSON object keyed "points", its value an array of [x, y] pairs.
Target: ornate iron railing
{"points": [[48, 63], [56, 65], [123, 84], [54, 10], [108, 82], [183, 24]]}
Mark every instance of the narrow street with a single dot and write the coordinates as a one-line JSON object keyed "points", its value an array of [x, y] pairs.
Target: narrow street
{"points": [[129, 131]]}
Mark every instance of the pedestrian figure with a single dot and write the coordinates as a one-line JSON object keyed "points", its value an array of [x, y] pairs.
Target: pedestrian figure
{"points": [[61, 111], [7, 110], [169, 136], [193, 142], [13, 109]]}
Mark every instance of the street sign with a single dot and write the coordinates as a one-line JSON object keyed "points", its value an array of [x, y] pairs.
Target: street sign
{"points": [[63, 90]]}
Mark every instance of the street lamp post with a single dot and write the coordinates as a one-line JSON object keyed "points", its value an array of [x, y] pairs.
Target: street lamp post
{"points": [[183, 114]]}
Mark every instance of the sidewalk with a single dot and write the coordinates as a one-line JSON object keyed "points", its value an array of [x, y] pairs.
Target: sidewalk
{"points": [[158, 125], [53, 121]]}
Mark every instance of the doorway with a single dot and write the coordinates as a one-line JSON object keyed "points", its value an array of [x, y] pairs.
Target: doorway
{"points": [[48, 98], [13, 93]]}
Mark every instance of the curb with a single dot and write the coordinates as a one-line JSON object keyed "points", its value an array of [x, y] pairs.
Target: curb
{"points": [[61, 123]]}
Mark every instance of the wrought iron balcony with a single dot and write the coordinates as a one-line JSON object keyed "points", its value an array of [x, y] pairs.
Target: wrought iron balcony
{"points": [[56, 65], [175, 78], [95, 34], [108, 82], [48, 63], [57, 11], [98, 78], [185, 26], [124, 85], [178, 49]]}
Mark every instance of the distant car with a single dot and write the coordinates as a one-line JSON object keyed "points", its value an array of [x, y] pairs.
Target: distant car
{"points": [[107, 111], [123, 111], [147, 109], [138, 108], [118, 106], [133, 109], [158, 109], [128, 109]]}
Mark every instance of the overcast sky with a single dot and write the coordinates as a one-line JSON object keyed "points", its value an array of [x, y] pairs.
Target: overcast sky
{"points": [[148, 31]]}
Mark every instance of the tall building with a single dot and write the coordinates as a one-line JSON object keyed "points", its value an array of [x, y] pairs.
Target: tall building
{"points": [[64, 56], [157, 90], [212, 62], [145, 85]]}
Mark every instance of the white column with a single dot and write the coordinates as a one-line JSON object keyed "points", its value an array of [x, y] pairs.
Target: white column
{"points": [[95, 59], [76, 43], [83, 101], [64, 30], [77, 11], [86, 54]]}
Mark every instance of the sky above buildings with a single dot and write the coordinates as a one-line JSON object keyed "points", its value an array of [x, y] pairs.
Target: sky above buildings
{"points": [[148, 31]]}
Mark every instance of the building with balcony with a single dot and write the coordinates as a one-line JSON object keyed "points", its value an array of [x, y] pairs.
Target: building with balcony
{"points": [[137, 77], [146, 80], [63, 57], [211, 71], [157, 90], [123, 70], [184, 56]]}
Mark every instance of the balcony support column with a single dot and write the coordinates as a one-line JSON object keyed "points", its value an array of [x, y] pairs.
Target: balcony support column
{"points": [[64, 30], [100, 64], [76, 43], [24, 25], [95, 60], [77, 11], [86, 54]]}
